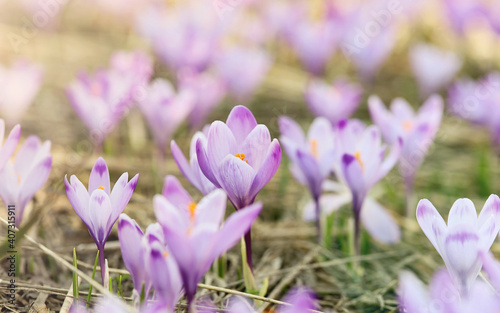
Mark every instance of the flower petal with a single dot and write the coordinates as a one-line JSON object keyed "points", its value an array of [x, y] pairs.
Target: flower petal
{"points": [[204, 163], [99, 177], [488, 221], [121, 194], [169, 216], [329, 203], [462, 212], [130, 236], [9, 146], [34, 180], [241, 122], [256, 146], [412, 293], [353, 174], [236, 178], [290, 129], [183, 164], [100, 211], [379, 223], [269, 167], [221, 143], [79, 197], [175, 193], [431, 222], [211, 208], [310, 168]]}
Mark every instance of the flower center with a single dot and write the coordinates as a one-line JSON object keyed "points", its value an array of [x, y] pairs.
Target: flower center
{"points": [[357, 155], [241, 156], [407, 125], [192, 215], [314, 148], [96, 89], [165, 254], [19, 179], [100, 187]]}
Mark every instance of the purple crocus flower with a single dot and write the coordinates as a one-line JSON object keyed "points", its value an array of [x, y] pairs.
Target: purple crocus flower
{"points": [[20, 85], [335, 101], [192, 231], [99, 207], [165, 110], [460, 13], [23, 176], [191, 169], [209, 91], [240, 158], [362, 162], [433, 68], [242, 70], [312, 157], [417, 129], [301, 300], [477, 102], [466, 233]]}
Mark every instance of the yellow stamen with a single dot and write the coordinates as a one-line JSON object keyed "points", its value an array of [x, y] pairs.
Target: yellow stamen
{"points": [[357, 155], [241, 156], [407, 125], [192, 215], [19, 179], [165, 254], [314, 148], [95, 89], [101, 187]]}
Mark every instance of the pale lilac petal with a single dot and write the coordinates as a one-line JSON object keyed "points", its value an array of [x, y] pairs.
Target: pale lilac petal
{"points": [[269, 167], [236, 225], [431, 222], [492, 268], [256, 146], [311, 171], [183, 163], [462, 212], [413, 296], [390, 160], [79, 197], [34, 180], [402, 109], [241, 122], [175, 193], [290, 129], [99, 177], [301, 299], [221, 142], [353, 174], [204, 163], [236, 177], [130, 236], [9, 146], [240, 305], [379, 223], [212, 207], [100, 211], [169, 216], [488, 221], [25, 156], [121, 194], [383, 119]]}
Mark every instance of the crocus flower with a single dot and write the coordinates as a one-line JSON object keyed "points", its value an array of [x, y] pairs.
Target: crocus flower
{"points": [[362, 162], [99, 207], [20, 85], [165, 110], [240, 158], [433, 67], [466, 233], [335, 101], [477, 102], [192, 231], [8, 146], [460, 13], [209, 91], [312, 157], [242, 69], [443, 296], [23, 176], [417, 129], [191, 169]]}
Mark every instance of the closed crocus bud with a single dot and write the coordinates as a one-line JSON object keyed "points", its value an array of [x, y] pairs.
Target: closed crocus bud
{"points": [[25, 174], [99, 207], [466, 234]]}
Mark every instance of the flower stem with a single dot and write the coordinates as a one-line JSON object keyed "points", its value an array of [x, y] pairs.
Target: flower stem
{"points": [[318, 218], [102, 263], [248, 245]]}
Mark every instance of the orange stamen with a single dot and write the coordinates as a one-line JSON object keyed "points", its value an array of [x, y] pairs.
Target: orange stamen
{"points": [[192, 215], [314, 148], [241, 156], [19, 179], [357, 155], [101, 187], [165, 254], [407, 125]]}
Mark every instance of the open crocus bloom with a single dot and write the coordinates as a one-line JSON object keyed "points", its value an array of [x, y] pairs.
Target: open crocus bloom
{"points": [[209, 90], [417, 129], [458, 242], [239, 156], [191, 169], [20, 84], [192, 230], [23, 176], [362, 161], [433, 68], [99, 207], [165, 110], [335, 101], [443, 295]]}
